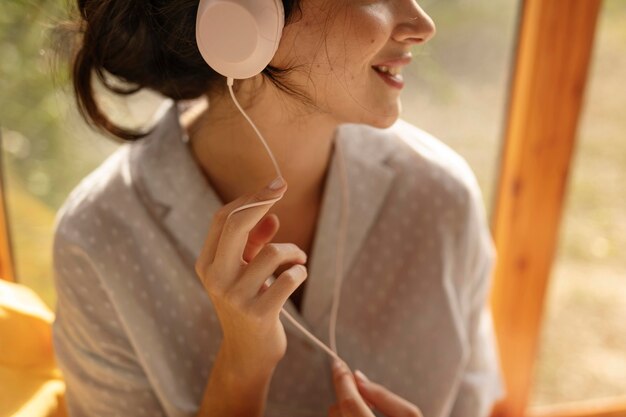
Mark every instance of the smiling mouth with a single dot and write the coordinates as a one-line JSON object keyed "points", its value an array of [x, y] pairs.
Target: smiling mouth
{"points": [[390, 75]]}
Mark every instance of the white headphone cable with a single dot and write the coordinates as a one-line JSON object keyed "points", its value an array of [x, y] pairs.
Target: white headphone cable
{"points": [[332, 351]]}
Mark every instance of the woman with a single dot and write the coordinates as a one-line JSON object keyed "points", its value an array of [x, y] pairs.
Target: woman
{"points": [[162, 306]]}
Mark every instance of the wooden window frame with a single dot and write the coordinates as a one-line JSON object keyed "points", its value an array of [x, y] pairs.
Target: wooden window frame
{"points": [[7, 270]]}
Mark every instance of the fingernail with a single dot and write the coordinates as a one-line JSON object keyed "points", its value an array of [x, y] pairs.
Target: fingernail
{"points": [[360, 376], [337, 365], [277, 184]]}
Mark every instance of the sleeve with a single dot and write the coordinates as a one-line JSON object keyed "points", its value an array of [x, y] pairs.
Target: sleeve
{"points": [[482, 383], [99, 366]]}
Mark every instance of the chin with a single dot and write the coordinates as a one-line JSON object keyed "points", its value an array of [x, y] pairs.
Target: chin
{"points": [[382, 120], [384, 123], [388, 115], [380, 117]]}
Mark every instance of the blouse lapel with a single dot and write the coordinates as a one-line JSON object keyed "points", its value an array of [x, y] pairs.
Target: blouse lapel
{"points": [[167, 175], [368, 182]]}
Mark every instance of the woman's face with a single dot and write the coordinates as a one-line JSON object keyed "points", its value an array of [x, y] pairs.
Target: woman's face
{"points": [[337, 43]]}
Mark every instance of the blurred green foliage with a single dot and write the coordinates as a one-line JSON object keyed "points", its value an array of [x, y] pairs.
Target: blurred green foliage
{"points": [[34, 103], [30, 115]]}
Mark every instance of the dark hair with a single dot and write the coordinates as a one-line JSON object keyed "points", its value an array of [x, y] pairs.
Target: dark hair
{"points": [[147, 44]]}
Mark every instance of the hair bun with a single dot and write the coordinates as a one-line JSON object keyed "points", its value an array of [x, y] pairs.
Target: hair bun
{"points": [[145, 44]]}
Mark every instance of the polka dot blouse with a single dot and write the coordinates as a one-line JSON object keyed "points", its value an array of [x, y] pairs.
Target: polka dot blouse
{"points": [[136, 334]]}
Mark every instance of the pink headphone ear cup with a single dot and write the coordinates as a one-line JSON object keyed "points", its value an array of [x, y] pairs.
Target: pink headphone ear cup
{"points": [[238, 38]]}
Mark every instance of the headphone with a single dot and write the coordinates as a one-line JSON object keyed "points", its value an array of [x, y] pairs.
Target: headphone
{"points": [[238, 38]]}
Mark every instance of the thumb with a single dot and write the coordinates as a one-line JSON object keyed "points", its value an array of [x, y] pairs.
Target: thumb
{"points": [[262, 233]]}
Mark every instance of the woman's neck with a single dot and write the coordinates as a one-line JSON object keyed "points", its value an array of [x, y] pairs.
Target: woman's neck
{"points": [[235, 161]]}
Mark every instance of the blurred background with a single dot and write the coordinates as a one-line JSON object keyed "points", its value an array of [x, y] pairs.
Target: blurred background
{"points": [[457, 89]]}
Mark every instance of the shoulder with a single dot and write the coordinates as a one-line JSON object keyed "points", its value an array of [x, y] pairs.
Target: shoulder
{"points": [[95, 228], [440, 177], [112, 195], [98, 193], [421, 161], [449, 198], [421, 153], [452, 188], [434, 187]]}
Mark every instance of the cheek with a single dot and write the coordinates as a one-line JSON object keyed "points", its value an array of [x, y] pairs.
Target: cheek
{"points": [[365, 33], [351, 36]]}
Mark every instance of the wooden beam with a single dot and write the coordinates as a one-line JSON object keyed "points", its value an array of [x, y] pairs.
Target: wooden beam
{"points": [[610, 407], [7, 272], [552, 58]]}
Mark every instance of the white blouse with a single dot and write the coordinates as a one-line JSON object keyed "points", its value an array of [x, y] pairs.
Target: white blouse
{"points": [[136, 334]]}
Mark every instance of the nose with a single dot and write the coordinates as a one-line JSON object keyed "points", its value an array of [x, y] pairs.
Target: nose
{"points": [[415, 26]]}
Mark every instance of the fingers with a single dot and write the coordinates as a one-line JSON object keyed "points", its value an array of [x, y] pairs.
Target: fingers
{"points": [[261, 234], [384, 400], [238, 223], [215, 230], [348, 397], [208, 252], [272, 299], [266, 262], [345, 386]]}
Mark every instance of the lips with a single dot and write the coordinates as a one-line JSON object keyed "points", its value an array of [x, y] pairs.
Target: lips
{"points": [[393, 80], [388, 70], [401, 61], [393, 67]]}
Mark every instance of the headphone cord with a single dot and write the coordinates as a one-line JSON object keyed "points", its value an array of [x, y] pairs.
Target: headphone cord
{"points": [[332, 351]]}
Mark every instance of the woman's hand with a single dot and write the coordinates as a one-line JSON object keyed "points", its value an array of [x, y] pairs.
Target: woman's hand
{"points": [[354, 398], [233, 266]]}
